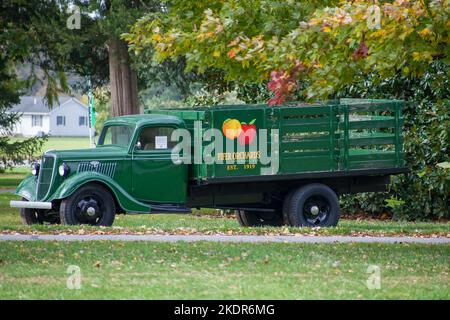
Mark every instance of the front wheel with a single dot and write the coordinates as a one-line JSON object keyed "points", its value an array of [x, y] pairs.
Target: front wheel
{"points": [[259, 218], [38, 216], [314, 205], [91, 204]]}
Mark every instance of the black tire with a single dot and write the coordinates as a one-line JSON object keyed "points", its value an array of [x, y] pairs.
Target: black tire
{"points": [[36, 216], [259, 218], [91, 204], [286, 202], [314, 205]]}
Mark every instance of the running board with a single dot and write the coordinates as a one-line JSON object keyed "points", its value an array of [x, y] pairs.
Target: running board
{"points": [[156, 208], [245, 208]]}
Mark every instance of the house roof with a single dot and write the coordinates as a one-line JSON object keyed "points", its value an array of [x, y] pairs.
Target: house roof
{"points": [[34, 104]]}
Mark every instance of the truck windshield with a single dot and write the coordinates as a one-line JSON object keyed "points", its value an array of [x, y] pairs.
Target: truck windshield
{"points": [[119, 135]]}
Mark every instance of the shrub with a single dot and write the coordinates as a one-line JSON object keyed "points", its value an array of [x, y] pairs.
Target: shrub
{"points": [[424, 192]]}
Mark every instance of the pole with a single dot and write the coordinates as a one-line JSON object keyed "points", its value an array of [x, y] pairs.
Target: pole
{"points": [[91, 115]]}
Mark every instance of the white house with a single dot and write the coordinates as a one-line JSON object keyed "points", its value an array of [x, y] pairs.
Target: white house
{"points": [[68, 118]]}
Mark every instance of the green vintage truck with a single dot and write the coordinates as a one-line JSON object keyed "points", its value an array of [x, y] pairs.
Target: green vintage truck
{"points": [[281, 165]]}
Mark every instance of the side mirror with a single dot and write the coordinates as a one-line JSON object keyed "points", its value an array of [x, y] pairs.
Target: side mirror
{"points": [[138, 145]]}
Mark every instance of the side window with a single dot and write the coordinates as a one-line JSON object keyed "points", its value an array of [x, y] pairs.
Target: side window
{"points": [[82, 121], [156, 138], [60, 120], [36, 121]]}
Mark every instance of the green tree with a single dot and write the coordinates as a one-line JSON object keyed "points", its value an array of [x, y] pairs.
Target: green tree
{"points": [[28, 36], [327, 47], [102, 55]]}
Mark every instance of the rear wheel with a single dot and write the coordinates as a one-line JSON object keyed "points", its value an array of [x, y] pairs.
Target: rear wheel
{"points": [[248, 218], [286, 202], [314, 205], [38, 216], [91, 204]]}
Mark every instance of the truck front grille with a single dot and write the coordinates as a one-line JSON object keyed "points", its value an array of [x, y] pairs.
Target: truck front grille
{"points": [[108, 169], [45, 176]]}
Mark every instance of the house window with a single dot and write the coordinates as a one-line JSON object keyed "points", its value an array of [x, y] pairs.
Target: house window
{"points": [[82, 121], [60, 120], [36, 121]]}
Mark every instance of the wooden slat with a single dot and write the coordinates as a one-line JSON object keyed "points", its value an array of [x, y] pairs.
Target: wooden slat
{"points": [[302, 164], [371, 124], [371, 107], [307, 128], [304, 154], [303, 111], [306, 144], [371, 141], [372, 164], [305, 121], [381, 155]]}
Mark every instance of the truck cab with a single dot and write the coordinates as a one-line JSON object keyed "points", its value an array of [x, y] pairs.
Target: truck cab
{"points": [[126, 172]]}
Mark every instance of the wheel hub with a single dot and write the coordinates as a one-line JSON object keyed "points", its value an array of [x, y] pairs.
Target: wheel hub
{"points": [[314, 210], [90, 211]]}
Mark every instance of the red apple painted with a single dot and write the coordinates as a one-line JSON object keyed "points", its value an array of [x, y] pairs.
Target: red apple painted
{"points": [[248, 133]]}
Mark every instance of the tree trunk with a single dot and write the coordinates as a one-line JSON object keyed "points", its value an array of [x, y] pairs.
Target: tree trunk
{"points": [[124, 92]]}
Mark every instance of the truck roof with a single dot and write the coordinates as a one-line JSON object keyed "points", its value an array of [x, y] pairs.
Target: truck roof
{"points": [[143, 119]]}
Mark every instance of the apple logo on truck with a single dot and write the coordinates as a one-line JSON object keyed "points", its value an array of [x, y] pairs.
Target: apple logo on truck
{"points": [[245, 133]]}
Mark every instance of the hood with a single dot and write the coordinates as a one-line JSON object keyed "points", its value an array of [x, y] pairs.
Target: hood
{"points": [[97, 153]]}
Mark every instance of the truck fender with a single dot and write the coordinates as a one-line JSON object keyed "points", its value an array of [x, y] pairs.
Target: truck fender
{"points": [[27, 188], [126, 201]]}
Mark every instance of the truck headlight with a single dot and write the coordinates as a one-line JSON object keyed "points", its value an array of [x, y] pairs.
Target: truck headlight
{"points": [[35, 169], [63, 170]]}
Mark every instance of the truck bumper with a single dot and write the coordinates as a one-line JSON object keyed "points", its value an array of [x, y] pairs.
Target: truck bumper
{"points": [[30, 204]]}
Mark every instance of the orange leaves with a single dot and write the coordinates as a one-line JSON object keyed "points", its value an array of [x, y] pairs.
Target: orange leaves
{"points": [[426, 34], [243, 49], [232, 53]]}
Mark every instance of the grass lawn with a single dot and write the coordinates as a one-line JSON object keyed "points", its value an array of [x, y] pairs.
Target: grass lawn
{"points": [[137, 270], [11, 178], [63, 143], [205, 270]]}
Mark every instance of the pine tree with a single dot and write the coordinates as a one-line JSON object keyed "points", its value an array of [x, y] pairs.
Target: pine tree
{"points": [[12, 152]]}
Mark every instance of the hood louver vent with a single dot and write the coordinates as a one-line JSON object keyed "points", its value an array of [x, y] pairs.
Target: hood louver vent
{"points": [[108, 169]]}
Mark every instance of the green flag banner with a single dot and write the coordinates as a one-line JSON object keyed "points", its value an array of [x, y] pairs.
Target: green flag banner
{"points": [[91, 109]]}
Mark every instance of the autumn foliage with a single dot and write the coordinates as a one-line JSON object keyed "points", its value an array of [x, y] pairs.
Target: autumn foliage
{"points": [[335, 42], [283, 84]]}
